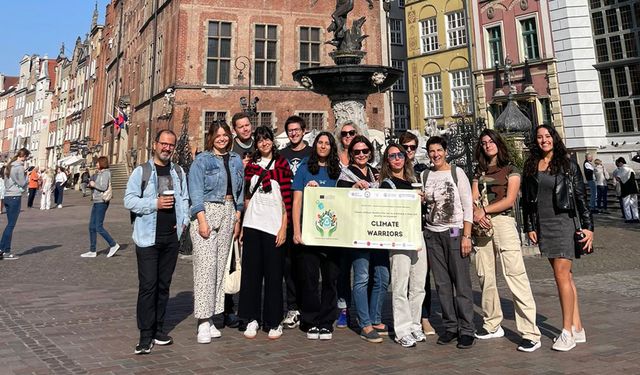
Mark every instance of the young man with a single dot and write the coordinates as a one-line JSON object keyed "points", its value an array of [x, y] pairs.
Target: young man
{"points": [[589, 175], [295, 152], [161, 208], [243, 142], [448, 238]]}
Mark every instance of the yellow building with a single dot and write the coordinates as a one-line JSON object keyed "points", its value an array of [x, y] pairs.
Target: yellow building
{"points": [[437, 60]]}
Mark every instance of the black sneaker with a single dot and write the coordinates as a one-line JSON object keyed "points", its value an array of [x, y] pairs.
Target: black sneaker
{"points": [[144, 346], [162, 339], [465, 342], [447, 338], [528, 346]]}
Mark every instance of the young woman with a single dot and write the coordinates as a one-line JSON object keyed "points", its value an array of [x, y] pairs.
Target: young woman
{"points": [[99, 183], [495, 186], [602, 176], [15, 183], [549, 214], [60, 182], [408, 268], [47, 189], [215, 188], [267, 214], [318, 311], [360, 175]]}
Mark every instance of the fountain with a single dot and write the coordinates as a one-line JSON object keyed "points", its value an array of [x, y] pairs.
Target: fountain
{"points": [[348, 84]]}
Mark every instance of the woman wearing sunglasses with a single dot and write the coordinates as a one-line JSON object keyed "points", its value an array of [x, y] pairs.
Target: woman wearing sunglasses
{"points": [[360, 175], [408, 267]]}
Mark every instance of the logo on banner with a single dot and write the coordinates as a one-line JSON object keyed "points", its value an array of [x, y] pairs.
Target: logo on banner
{"points": [[326, 220]]}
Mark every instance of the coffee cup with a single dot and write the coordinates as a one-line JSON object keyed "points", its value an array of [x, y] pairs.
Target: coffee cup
{"points": [[168, 193], [416, 186]]}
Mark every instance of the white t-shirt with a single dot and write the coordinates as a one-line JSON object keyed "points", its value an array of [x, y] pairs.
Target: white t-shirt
{"points": [[264, 211], [449, 205]]}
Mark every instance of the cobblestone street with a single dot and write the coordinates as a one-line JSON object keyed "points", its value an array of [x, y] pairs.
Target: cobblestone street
{"points": [[63, 314]]}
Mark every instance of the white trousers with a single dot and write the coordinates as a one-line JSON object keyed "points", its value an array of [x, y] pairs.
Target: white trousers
{"points": [[630, 207], [408, 275], [45, 200]]}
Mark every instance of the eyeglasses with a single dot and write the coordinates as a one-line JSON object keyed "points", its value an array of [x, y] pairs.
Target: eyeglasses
{"points": [[410, 147], [396, 156], [350, 133], [364, 151], [294, 131], [170, 146]]}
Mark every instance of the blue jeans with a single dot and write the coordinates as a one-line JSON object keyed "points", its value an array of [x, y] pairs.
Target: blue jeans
{"points": [[98, 211], [602, 197], [592, 194], [12, 206], [369, 309]]}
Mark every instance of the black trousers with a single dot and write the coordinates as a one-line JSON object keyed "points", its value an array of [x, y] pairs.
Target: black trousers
{"points": [[155, 270], [261, 261], [291, 278], [32, 196], [319, 307], [58, 193]]}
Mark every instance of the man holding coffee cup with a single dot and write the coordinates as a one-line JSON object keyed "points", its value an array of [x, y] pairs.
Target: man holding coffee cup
{"points": [[157, 194]]}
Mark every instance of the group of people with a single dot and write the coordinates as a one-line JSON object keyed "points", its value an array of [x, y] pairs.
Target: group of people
{"points": [[245, 189], [49, 184]]}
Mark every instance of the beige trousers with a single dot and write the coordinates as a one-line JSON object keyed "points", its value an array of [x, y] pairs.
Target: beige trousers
{"points": [[505, 243]]}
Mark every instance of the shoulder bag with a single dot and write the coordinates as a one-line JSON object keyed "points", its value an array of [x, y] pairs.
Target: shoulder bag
{"points": [[232, 280]]}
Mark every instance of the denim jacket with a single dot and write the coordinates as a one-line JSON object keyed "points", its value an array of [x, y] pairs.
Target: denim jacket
{"points": [[208, 180], [146, 208]]}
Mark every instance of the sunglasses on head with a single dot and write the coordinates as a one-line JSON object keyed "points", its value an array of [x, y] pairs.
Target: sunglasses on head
{"points": [[349, 133], [396, 156], [364, 151], [410, 147]]}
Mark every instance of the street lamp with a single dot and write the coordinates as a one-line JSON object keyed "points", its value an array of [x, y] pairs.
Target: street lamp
{"points": [[249, 106]]}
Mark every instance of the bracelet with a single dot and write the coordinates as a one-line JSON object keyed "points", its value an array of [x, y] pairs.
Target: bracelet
{"points": [[466, 236]]}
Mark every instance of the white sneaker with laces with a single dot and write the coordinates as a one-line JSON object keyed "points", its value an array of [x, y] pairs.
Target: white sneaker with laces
{"points": [[204, 334], [406, 341], [252, 330], [215, 332], [89, 254], [113, 250], [292, 320], [579, 337], [419, 336], [564, 342], [275, 333], [483, 334]]}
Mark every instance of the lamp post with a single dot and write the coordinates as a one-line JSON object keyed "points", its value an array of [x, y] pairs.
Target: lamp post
{"points": [[249, 106]]}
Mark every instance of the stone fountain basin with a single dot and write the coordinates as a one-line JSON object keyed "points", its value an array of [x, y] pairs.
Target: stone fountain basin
{"points": [[344, 81]]}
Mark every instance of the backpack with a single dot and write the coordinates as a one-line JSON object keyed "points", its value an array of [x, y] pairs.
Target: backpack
{"points": [[146, 176], [425, 174]]}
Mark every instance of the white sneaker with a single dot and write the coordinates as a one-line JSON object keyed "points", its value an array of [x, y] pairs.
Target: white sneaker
{"points": [[564, 342], [59, 206], [275, 333], [89, 254], [313, 333], [204, 334], [325, 334], [252, 330], [579, 337], [292, 320], [407, 341], [419, 336], [483, 334], [113, 250], [215, 333]]}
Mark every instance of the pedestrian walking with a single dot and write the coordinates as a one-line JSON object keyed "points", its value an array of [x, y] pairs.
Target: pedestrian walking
{"points": [[264, 231], [408, 267], [47, 189], [627, 190], [15, 183], [2, 189], [60, 182], [589, 175], [158, 197], [552, 191], [100, 184], [602, 176], [33, 175], [448, 238], [216, 191], [84, 181], [495, 187]]}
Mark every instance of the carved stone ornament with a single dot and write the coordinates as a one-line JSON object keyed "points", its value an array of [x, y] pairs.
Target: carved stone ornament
{"points": [[412, 17], [378, 78], [491, 13], [350, 111], [524, 4], [306, 82]]}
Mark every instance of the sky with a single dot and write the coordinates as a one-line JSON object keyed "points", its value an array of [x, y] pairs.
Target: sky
{"points": [[40, 26]]}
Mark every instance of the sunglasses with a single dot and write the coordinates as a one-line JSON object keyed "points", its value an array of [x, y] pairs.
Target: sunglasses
{"points": [[410, 147], [396, 156], [349, 133], [364, 151]]}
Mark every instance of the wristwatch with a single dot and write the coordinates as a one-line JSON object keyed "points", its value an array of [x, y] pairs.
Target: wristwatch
{"points": [[466, 236]]}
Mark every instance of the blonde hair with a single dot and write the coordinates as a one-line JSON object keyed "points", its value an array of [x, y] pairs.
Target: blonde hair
{"points": [[338, 130]]}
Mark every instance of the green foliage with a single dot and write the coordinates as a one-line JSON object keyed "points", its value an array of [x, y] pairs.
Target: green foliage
{"points": [[516, 151]]}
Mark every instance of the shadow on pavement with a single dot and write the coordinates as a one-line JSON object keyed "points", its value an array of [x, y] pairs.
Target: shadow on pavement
{"points": [[179, 308], [39, 249]]}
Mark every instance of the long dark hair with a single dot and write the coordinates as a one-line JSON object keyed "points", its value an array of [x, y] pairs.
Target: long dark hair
{"points": [[333, 162], [264, 132], [481, 157], [385, 169], [360, 139], [211, 135], [22, 153], [559, 161]]}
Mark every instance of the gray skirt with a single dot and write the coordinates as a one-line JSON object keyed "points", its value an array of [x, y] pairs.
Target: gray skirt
{"points": [[555, 229]]}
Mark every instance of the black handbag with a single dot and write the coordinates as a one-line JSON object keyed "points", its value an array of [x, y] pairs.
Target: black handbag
{"points": [[578, 235]]}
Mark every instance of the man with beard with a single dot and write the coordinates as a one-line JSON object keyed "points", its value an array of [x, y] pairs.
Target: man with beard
{"points": [[158, 197]]}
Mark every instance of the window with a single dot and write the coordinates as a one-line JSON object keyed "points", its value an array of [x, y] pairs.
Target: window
{"points": [[395, 26], [626, 116], [266, 50], [621, 82], [601, 50], [634, 73], [400, 118], [399, 85], [456, 30], [211, 116], [429, 35], [261, 119], [626, 17], [314, 120], [616, 47], [432, 95], [494, 38], [530, 39], [400, 3], [630, 45], [607, 84], [460, 87], [218, 53], [612, 20], [309, 47], [598, 23], [595, 4], [547, 117]]}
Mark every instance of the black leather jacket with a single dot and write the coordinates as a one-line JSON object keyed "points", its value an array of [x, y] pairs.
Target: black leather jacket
{"points": [[562, 201]]}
